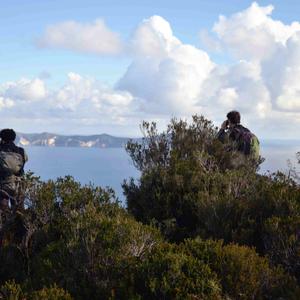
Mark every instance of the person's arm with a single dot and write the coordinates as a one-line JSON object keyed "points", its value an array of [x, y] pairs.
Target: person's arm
{"points": [[222, 134], [25, 157]]}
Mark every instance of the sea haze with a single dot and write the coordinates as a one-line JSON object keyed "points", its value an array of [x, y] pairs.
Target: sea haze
{"points": [[110, 166]]}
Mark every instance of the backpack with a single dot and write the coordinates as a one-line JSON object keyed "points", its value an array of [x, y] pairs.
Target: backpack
{"points": [[247, 142], [11, 163]]}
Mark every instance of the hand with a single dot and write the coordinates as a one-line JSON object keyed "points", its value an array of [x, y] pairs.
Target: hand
{"points": [[224, 125]]}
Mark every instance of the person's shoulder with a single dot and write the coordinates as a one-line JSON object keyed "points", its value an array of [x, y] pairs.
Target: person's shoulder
{"points": [[23, 153], [18, 149], [21, 149], [240, 127]]}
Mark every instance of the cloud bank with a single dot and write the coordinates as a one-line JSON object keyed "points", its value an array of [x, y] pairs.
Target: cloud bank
{"points": [[93, 37], [170, 78]]}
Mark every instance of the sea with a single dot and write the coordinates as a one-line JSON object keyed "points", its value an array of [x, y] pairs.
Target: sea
{"points": [[109, 167]]}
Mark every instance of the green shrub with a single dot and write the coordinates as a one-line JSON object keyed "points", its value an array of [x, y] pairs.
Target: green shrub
{"points": [[282, 242], [242, 273], [188, 188], [10, 290], [78, 237], [13, 291], [52, 293], [168, 273]]}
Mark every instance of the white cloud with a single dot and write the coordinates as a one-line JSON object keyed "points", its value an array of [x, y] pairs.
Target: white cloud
{"points": [[252, 33], [166, 73], [273, 46], [170, 78], [88, 97], [24, 90], [209, 42], [265, 76], [93, 37], [227, 97], [80, 97], [153, 38], [6, 103]]}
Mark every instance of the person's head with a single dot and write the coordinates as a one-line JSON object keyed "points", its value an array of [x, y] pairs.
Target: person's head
{"points": [[234, 117], [7, 135]]}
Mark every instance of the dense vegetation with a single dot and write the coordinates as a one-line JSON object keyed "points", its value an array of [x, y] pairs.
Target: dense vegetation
{"points": [[200, 223]]}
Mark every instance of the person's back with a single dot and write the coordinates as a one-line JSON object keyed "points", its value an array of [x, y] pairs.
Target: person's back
{"points": [[12, 161], [242, 139]]}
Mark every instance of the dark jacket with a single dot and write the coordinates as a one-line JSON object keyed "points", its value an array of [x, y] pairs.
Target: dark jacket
{"points": [[11, 147], [233, 134]]}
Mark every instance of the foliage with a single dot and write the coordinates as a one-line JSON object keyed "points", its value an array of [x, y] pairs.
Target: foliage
{"points": [[80, 243], [76, 236], [76, 241], [169, 273], [242, 273], [191, 185], [52, 293], [282, 242], [13, 291]]}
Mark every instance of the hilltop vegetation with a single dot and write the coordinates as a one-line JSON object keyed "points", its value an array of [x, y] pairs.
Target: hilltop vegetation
{"points": [[194, 228]]}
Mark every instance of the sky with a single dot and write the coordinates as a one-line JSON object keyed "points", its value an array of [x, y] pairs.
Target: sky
{"points": [[91, 67]]}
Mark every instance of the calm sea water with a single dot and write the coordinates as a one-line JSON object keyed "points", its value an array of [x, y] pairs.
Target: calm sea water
{"points": [[109, 167], [103, 167]]}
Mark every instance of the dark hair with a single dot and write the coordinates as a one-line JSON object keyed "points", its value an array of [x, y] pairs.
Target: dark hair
{"points": [[7, 135], [234, 117]]}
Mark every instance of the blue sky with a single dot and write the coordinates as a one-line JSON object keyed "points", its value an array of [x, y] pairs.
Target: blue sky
{"points": [[24, 23], [21, 22]]}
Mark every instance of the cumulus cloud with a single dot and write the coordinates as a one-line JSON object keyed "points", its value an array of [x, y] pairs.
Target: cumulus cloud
{"points": [[170, 78], [89, 98], [6, 103], [166, 73], [252, 33], [209, 42], [80, 98], [93, 37], [24, 90], [174, 78]]}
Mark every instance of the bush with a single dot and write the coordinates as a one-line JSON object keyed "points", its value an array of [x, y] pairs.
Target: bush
{"points": [[52, 293], [13, 291], [10, 290], [78, 237], [282, 242], [168, 273], [188, 188], [242, 273]]}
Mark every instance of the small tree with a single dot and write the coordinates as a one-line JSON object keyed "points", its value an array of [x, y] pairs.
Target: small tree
{"points": [[188, 188]]}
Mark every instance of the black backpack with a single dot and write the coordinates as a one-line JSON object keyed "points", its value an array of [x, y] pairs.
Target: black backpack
{"points": [[247, 142], [11, 163]]}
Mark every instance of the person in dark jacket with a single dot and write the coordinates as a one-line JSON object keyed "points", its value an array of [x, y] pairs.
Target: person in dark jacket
{"points": [[227, 128], [241, 138], [10, 181]]}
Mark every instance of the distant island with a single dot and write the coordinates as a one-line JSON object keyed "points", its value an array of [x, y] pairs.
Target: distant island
{"points": [[46, 139]]}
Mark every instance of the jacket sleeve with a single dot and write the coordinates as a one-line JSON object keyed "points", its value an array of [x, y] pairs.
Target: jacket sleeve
{"points": [[222, 135], [25, 157]]}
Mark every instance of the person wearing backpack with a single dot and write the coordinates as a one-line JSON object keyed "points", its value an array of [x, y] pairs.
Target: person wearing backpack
{"points": [[243, 141], [12, 161]]}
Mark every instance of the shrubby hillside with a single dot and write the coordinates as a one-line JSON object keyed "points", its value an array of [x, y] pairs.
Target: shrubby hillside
{"points": [[199, 224]]}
